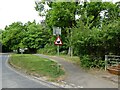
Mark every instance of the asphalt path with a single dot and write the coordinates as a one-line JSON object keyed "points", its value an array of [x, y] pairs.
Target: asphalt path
{"points": [[12, 79]]}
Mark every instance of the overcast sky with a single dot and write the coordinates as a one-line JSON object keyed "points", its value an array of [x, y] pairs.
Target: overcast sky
{"points": [[18, 10]]}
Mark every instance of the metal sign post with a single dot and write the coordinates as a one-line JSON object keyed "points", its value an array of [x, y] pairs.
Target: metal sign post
{"points": [[57, 31], [58, 49], [58, 42]]}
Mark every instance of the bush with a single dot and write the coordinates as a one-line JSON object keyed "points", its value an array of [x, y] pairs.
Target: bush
{"points": [[89, 62], [85, 61], [97, 42], [48, 49]]}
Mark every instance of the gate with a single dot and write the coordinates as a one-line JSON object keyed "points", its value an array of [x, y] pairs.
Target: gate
{"points": [[112, 61]]}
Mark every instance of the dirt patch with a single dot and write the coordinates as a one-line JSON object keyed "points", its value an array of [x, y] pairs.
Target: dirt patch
{"points": [[100, 73], [114, 70]]}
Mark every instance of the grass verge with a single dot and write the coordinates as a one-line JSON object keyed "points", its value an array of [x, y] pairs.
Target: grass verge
{"points": [[73, 59], [35, 65]]}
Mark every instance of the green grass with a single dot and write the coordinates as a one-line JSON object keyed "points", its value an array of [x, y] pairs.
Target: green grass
{"points": [[36, 65], [73, 59]]}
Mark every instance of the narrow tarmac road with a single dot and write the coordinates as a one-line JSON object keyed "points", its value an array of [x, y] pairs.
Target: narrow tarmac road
{"points": [[13, 79], [78, 77]]}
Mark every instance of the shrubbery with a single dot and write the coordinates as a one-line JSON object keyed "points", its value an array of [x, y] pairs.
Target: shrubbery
{"points": [[88, 62], [93, 44], [48, 49]]}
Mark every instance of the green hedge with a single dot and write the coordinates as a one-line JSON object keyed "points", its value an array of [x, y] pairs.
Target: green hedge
{"points": [[88, 62], [48, 49], [96, 43]]}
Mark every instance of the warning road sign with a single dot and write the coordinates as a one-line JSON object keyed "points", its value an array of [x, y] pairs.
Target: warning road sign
{"points": [[58, 41]]}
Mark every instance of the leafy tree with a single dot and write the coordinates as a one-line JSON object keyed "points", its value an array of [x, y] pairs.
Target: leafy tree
{"points": [[30, 35], [93, 44], [36, 36], [13, 35], [112, 12], [92, 13]]}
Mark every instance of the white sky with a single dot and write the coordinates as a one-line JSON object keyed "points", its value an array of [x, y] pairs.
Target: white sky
{"points": [[19, 10]]}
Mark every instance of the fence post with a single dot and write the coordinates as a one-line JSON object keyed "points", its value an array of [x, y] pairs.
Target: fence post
{"points": [[58, 68], [106, 62]]}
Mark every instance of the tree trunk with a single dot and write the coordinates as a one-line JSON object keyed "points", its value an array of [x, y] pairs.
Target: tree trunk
{"points": [[69, 51]]}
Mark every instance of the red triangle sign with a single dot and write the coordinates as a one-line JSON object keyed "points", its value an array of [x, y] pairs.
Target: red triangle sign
{"points": [[58, 41]]}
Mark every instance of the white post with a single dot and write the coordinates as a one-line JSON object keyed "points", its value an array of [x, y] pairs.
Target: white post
{"points": [[71, 45], [58, 49], [71, 48], [105, 62]]}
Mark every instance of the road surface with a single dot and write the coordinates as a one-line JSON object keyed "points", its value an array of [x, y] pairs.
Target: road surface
{"points": [[13, 79]]}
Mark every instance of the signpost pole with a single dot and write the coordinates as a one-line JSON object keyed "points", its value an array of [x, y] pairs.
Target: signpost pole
{"points": [[57, 31], [58, 48], [106, 62]]}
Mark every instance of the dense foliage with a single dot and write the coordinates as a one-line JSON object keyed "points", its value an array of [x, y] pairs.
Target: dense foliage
{"points": [[95, 43], [30, 35], [12, 36], [36, 36]]}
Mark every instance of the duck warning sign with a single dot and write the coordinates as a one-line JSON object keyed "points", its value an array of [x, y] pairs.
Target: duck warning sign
{"points": [[58, 41]]}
